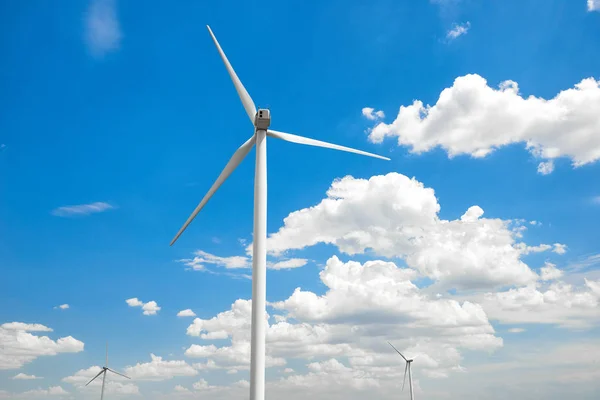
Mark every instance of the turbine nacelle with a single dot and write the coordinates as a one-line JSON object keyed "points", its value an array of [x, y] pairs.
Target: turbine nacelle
{"points": [[262, 120]]}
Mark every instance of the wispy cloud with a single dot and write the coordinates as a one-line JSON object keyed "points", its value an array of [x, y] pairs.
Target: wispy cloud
{"points": [[593, 5], [22, 376], [596, 200], [103, 33], [458, 30], [62, 307], [82, 209], [236, 262]]}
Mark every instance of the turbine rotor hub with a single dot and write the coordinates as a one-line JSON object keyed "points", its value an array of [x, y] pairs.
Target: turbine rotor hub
{"points": [[262, 119]]}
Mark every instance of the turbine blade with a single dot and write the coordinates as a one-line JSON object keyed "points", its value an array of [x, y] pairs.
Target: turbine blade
{"points": [[312, 142], [404, 380], [106, 365], [99, 373], [115, 372], [241, 90], [235, 160], [397, 351]]}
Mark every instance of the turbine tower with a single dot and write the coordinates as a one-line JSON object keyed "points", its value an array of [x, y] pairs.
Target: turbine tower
{"points": [[407, 367], [261, 121], [105, 369]]}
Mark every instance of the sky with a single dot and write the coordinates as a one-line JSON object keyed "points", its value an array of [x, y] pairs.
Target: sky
{"points": [[475, 249]]}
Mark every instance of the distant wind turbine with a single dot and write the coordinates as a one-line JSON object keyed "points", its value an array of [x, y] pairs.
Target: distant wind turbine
{"points": [[104, 370], [261, 121], [407, 367]]}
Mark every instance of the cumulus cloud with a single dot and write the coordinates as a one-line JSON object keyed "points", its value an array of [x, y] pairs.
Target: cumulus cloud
{"points": [[557, 303], [549, 272], [20, 347], [102, 30], [202, 258], [545, 167], [395, 216], [186, 313], [365, 305], [82, 209], [149, 308], [458, 30], [158, 369], [593, 5], [371, 114], [62, 307], [559, 248], [473, 118]]}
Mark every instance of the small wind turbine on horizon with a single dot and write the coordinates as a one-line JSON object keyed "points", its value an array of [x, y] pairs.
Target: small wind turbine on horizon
{"points": [[105, 369], [407, 367], [261, 121]]}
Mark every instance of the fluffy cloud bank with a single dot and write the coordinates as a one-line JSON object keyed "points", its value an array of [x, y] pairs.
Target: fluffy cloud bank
{"points": [[365, 305], [20, 347], [395, 216], [473, 118]]}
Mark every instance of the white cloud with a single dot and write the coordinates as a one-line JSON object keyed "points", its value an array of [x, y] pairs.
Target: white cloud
{"points": [[115, 384], [549, 272], [516, 330], [181, 389], [288, 264], [158, 369], [458, 30], [103, 33], [473, 118], [62, 307], [365, 305], [22, 376], [593, 5], [149, 308], [186, 313], [545, 167], [237, 262], [558, 303], [559, 248], [51, 391], [395, 216], [82, 209], [371, 114], [20, 347], [134, 302]]}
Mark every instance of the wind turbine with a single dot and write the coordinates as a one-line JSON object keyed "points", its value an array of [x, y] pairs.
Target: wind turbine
{"points": [[408, 362], [105, 369], [261, 121]]}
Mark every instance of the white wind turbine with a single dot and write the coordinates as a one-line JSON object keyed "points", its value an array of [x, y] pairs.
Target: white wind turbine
{"points": [[261, 120], [105, 369], [408, 363]]}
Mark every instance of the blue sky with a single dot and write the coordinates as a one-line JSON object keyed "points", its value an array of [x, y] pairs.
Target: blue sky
{"points": [[118, 116]]}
